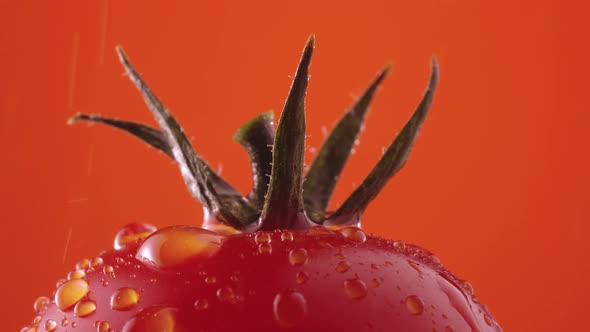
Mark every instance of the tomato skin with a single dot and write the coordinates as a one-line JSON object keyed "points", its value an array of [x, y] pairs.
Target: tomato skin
{"points": [[314, 282]]}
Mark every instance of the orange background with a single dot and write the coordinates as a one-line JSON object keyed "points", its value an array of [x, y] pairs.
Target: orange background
{"points": [[496, 187]]}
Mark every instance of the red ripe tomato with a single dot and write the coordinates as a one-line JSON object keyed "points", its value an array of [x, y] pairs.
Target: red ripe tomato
{"points": [[275, 260]]}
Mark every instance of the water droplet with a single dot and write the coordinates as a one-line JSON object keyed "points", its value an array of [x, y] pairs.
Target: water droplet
{"points": [[414, 305], [375, 282], [262, 237], [74, 324], [105, 283], [64, 322], [85, 308], [156, 318], [287, 236], [415, 266], [301, 277], [354, 233], [289, 308], [210, 280], [70, 292], [76, 274], [342, 266], [468, 287], [132, 233], [41, 304], [50, 325], [265, 248], [298, 256], [174, 246], [107, 269], [201, 304], [340, 256], [102, 326], [124, 299], [320, 230], [37, 320], [399, 245], [449, 329], [83, 264], [487, 319], [355, 288], [96, 261], [226, 294]]}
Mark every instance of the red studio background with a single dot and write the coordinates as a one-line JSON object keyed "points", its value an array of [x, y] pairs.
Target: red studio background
{"points": [[496, 186]]}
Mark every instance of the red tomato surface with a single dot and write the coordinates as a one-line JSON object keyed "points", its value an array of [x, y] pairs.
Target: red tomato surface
{"points": [[185, 278]]}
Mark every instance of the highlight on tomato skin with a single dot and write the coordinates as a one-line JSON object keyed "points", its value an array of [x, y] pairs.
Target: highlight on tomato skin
{"points": [[272, 260]]}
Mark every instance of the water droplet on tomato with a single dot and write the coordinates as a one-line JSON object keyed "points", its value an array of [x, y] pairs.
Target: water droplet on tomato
{"points": [[355, 288], [262, 237], [265, 248], [298, 256], [96, 262], [50, 325], [156, 318], [226, 294], [64, 322], [340, 256], [415, 266], [399, 245], [41, 304], [107, 269], [124, 299], [70, 292], [175, 246], [354, 233], [133, 232], [37, 320], [375, 282], [85, 308], [287, 236], [201, 304], [83, 264], [342, 266], [301, 277], [414, 304], [210, 280], [76, 274], [487, 319], [102, 326], [320, 230], [289, 308], [449, 329]]}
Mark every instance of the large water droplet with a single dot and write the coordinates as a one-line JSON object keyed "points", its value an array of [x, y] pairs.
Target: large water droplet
{"points": [[355, 288], [133, 232], [289, 308], [298, 256], [70, 292], [354, 233], [124, 299], [175, 246], [414, 305], [85, 308], [157, 318], [41, 304]]}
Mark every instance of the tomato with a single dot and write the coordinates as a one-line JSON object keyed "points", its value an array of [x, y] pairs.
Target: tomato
{"points": [[273, 260], [185, 278]]}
